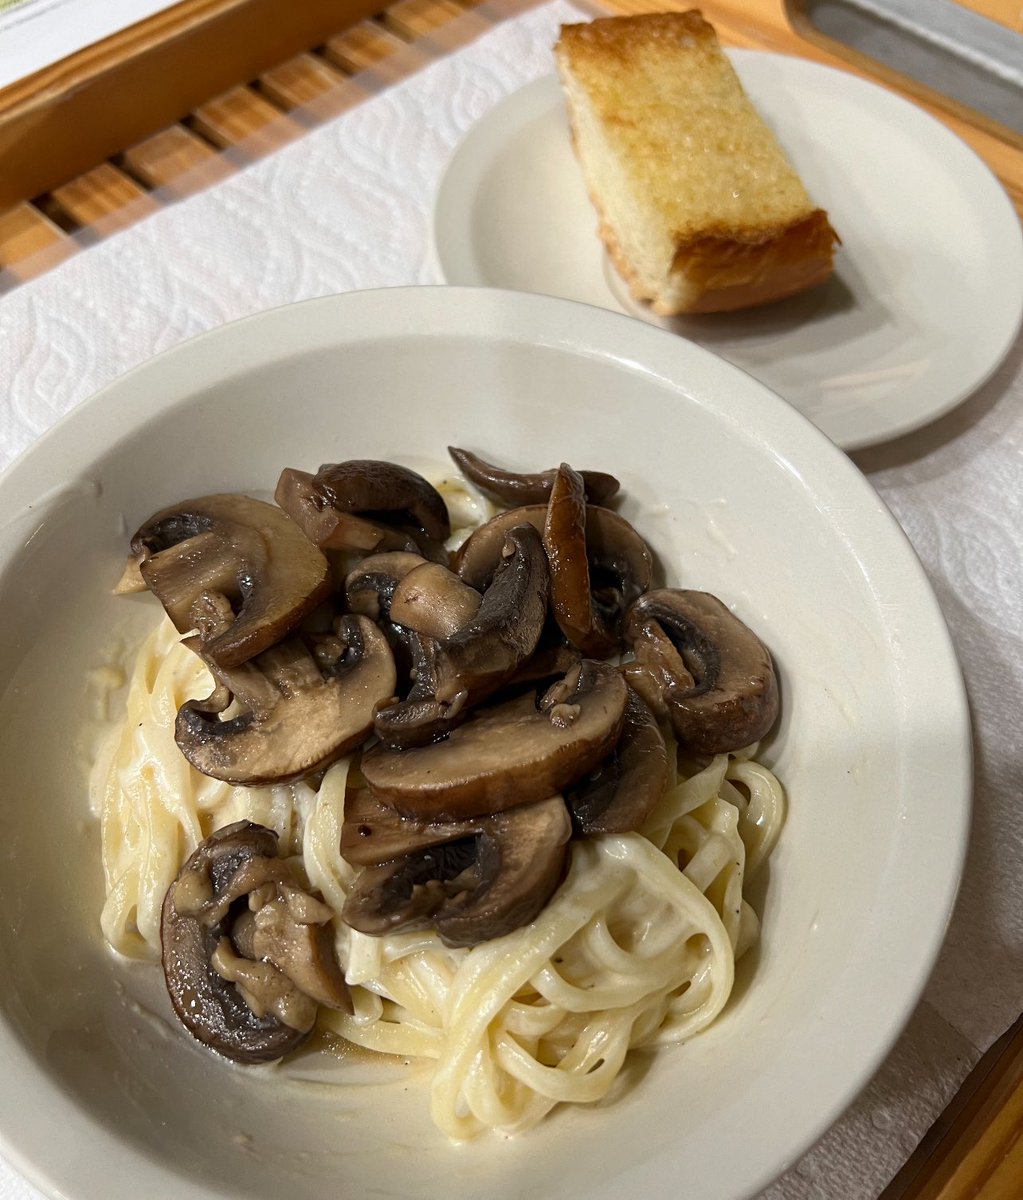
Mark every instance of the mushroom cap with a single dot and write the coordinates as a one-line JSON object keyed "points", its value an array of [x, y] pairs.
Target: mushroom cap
{"points": [[357, 505], [709, 671], [479, 555], [209, 1006], [369, 485], [306, 707], [515, 488], [240, 554], [505, 630], [474, 889], [512, 753]]}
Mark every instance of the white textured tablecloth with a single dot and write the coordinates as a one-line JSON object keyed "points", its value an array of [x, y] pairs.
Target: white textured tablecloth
{"points": [[346, 207]]}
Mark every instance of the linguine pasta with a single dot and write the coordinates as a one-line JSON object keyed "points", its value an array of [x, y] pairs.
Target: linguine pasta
{"points": [[630, 951]]}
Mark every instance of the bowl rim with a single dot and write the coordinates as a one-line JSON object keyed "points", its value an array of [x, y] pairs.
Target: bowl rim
{"points": [[272, 335]]}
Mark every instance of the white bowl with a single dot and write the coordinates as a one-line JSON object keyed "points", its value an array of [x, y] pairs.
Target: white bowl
{"points": [[102, 1094]]}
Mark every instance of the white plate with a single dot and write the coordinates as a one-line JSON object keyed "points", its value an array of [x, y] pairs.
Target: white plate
{"points": [[103, 1097], [928, 291]]}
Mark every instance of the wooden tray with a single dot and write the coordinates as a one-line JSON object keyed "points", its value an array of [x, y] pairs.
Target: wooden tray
{"points": [[176, 103], [111, 134]]}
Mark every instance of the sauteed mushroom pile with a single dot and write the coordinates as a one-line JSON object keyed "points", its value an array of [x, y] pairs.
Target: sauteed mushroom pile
{"points": [[476, 683]]}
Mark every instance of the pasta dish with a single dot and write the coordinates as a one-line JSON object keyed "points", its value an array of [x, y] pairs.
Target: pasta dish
{"points": [[634, 943]]}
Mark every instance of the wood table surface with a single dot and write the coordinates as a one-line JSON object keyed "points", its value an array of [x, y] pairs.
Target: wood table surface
{"points": [[975, 1149]]}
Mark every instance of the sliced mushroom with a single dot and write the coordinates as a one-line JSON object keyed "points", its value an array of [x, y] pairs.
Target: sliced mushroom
{"points": [[512, 753], [370, 585], [372, 833], [366, 505], [433, 601], [513, 488], [368, 589], [245, 558], [616, 568], [701, 666], [480, 554], [306, 702], [474, 889], [621, 792], [250, 1010], [593, 579], [550, 660], [564, 539], [291, 929], [457, 672]]}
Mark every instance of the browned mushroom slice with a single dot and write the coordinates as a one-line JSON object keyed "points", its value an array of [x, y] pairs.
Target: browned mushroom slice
{"points": [[305, 705], [480, 554], [366, 505], [248, 1009], [621, 792], [516, 752], [372, 833], [331, 529], [549, 661], [704, 668], [564, 539], [513, 488], [618, 564], [474, 889], [457, 672], [433, 601], [368, 589], [246, 557], [370, 585], [291, 930]]}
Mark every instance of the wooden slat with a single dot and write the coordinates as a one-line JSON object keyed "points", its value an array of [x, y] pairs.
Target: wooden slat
{"points": [[362, 47], [63, 120], [378, 57], [176, 158], [414, 18], [453, 35], [27, 235], [243, 118], [311, 83], [104, 197]]}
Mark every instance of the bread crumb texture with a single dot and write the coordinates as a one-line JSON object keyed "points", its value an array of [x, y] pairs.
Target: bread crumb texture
{"points": [[686, 176]]}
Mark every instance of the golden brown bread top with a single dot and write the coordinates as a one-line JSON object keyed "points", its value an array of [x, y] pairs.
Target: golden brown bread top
{"points": [[673, 108]]}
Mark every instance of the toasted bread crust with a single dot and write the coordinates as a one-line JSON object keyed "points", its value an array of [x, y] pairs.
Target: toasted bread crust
{"points": [[684, 162]]}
